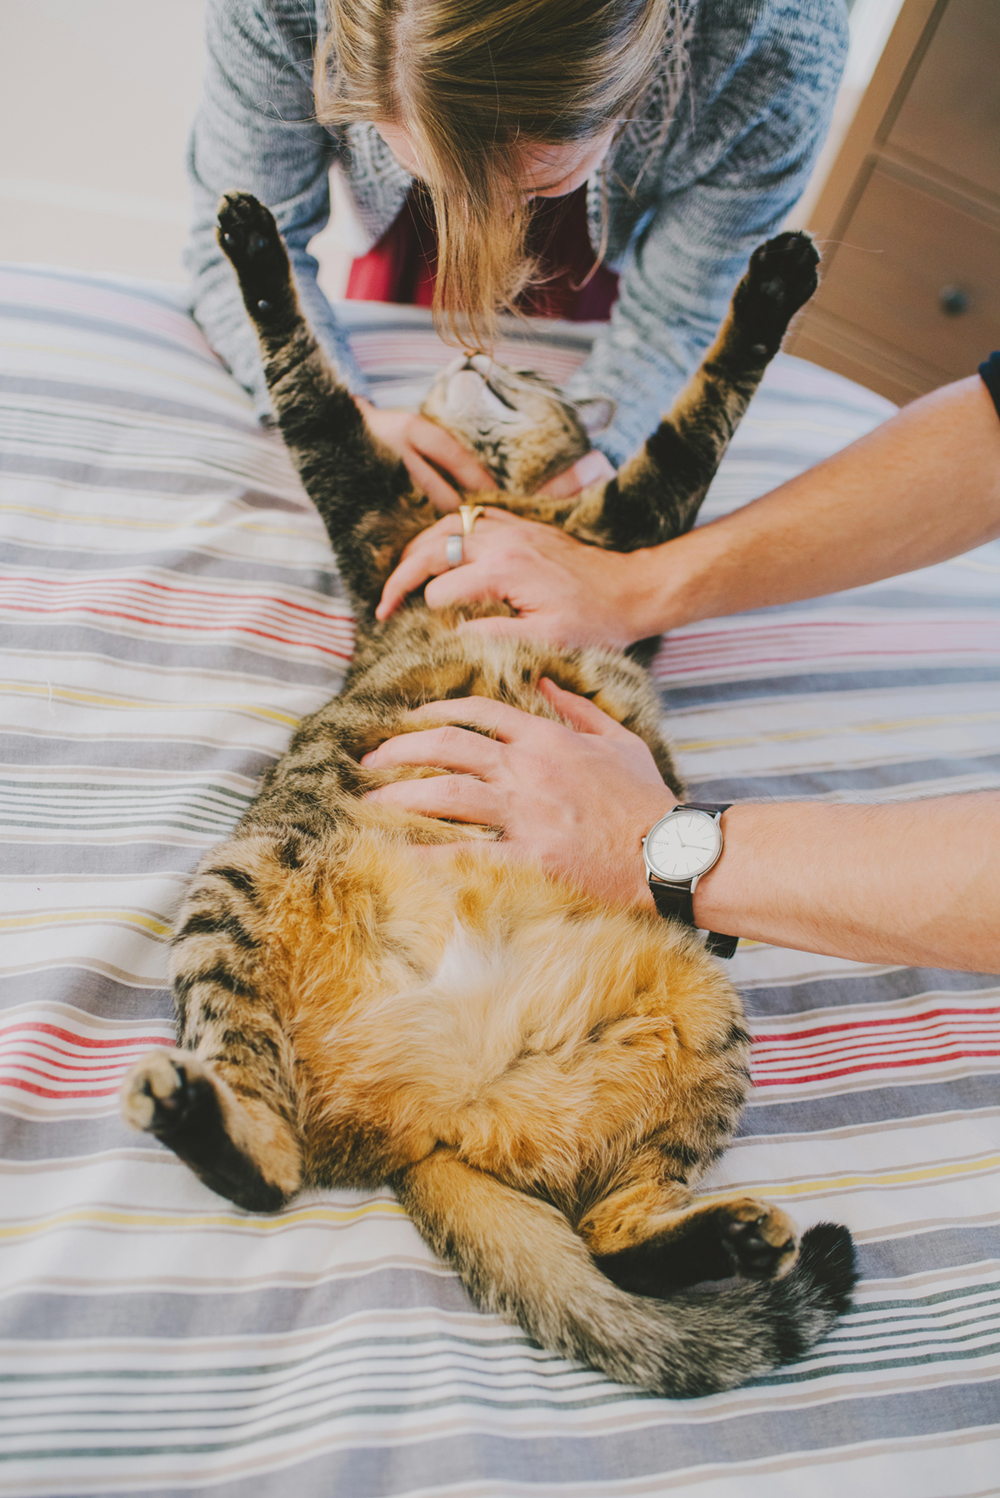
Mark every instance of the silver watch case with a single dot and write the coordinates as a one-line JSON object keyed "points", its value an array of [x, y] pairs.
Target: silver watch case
{"points": [[663, 844]]}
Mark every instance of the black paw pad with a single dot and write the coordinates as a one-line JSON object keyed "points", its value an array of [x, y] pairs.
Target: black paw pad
{"points": [[249, 237], [752, 1255], [780, 279]]}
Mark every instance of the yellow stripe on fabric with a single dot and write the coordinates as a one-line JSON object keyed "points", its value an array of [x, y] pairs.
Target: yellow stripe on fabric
{"points": [[108, 1217], [846, 1183], [826, 731], [141, 704], [74, 917], [124, 522]]}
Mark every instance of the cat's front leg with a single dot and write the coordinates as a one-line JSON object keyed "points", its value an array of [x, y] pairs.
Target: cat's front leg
{"points": [[361, 489], [657, 494]]}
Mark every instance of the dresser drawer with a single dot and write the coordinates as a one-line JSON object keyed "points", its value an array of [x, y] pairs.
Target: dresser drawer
{"points": [[951, 114], [916, 274]]}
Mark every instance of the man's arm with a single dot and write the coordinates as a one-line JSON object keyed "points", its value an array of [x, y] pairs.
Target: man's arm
{"points": [[923, 486], [916, 883]]}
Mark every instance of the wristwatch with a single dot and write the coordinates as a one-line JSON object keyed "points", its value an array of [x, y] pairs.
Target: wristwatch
{"points": [[677, 850]]}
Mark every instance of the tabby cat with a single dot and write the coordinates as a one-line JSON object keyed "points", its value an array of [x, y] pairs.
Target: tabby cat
{"points": [[542, 1079]]}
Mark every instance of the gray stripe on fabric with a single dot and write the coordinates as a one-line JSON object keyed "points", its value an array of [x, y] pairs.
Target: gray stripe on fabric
{"points": [[707, 694], [147, 754], [137, 753], [115, 397], [32, 860], [311, 575], [67, 640], [825, 781], [104, 998], [107, 327], [176, 298], [881, 985], [820, 1115], [146, 481], [432, 1465]]}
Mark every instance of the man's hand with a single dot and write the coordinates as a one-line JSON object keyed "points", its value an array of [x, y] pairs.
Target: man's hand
{"points": [[575, 799], [426, 448], [564, 591]]}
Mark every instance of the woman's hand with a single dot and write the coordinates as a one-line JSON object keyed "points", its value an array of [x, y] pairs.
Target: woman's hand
{"points": [[590, 469], [426, 448], [576, 799], [563, 591]]}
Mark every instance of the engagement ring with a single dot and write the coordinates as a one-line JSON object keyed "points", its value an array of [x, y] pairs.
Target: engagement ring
{"points": [[470, 514]]}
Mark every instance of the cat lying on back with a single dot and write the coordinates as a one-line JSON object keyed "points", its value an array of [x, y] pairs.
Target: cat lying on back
{"points": [[542, 1079]]}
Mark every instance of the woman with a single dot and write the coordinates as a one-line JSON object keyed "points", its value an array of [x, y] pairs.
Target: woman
{"points": [[690, 125]]}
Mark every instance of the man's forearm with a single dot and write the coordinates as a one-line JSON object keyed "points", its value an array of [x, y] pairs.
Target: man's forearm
{"points": [[916, 883], [922, 487]]}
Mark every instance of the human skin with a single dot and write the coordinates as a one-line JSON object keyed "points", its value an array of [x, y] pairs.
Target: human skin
{"points": [[436, 460], [923, 486], [916, 884]]}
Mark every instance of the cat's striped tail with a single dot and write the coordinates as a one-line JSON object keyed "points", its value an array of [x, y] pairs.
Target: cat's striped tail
{"points": [[519, 1257]]}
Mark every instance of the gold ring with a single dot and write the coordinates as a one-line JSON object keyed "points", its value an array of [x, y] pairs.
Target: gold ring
{"points": [[470, 514]]}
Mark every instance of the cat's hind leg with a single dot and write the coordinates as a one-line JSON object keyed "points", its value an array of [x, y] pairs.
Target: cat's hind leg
{"points": [[225, 1101], [236, 1144], [652, 1236]]}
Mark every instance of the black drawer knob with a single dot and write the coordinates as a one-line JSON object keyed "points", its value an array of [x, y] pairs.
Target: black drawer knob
{"points": [[953, 301]]}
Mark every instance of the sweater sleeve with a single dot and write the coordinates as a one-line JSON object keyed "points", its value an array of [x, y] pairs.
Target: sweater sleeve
{"points": [[989, 372], [754, 138], [255, 131]]}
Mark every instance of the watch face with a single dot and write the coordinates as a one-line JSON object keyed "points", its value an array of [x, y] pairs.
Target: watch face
{"points": [[684, 844]]}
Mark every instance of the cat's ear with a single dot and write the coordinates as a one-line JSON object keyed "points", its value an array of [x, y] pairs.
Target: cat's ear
{"points": [[596, 413]]}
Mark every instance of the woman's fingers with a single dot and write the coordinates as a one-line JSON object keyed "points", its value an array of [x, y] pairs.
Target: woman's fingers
{"points": [[589, 469], [448, 453], [432, 455]]}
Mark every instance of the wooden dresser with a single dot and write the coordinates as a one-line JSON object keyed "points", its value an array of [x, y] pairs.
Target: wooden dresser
{"points": [[909, 219]]}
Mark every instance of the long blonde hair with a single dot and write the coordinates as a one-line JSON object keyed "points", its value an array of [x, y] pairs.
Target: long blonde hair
{"points": [[475, 85]]}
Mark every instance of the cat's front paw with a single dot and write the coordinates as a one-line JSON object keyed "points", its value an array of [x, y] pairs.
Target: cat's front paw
{"points": [[249, 237], [780, 279], [759, 1239], [163, 1092]]}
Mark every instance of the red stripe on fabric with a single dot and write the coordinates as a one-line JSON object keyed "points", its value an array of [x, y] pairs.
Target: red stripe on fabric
{"points": [[864, 1024], [850, 1071], [85, 1040], [49, 1092]]}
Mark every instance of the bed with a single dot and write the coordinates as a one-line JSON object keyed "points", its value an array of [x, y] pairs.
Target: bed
{"points": [[169, 608]]}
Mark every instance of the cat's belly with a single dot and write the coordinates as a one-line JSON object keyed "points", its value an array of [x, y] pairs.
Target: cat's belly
{"points": [[506, 1018]]}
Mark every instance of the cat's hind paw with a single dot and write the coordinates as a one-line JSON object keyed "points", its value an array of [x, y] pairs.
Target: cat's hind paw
{"points": [[780, 279], [164, 1091], [249, 237], [759, 1239]]}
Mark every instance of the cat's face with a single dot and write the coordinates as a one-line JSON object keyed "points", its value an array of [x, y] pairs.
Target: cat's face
{"points": [[519, 425]]}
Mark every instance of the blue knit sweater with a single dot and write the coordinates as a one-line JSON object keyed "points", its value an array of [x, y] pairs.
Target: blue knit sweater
{"points": [[749, 122]]}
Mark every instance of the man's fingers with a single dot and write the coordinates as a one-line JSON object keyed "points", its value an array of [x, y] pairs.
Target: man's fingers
{"points": [[506, 723], [448, 453], [424, 561], [448, 748], [589, 469], [457, 798], [580, 712]]}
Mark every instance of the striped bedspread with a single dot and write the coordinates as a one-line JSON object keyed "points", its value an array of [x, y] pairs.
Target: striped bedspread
{"points": [[169, 608]]}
